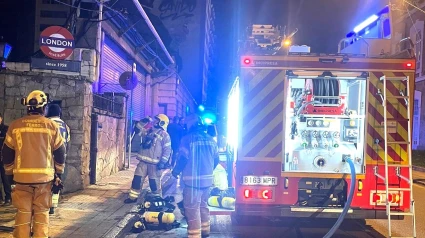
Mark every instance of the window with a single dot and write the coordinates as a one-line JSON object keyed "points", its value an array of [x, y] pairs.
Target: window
{"points": [[53, 14], [162, 108]]}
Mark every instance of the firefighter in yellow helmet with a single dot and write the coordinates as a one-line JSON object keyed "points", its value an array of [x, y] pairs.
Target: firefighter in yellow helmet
{"points": [[198, 156], [34, 158], [155, 151]]}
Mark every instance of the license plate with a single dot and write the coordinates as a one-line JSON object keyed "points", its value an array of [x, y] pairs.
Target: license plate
{"points": [[256, 180]]}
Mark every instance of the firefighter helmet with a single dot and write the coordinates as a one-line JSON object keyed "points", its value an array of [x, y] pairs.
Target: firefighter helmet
{"points": [[36, 99], [194, 120], [163, 121]]}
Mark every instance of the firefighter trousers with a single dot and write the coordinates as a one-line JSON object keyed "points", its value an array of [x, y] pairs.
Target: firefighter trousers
{"points": [[144, 169], [33, 203], [196, 211]]}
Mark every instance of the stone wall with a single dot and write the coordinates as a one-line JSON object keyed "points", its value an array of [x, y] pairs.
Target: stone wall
{"points": [[76, 96], [110, 145]]}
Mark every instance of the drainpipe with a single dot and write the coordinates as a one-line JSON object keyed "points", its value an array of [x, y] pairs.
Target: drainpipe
{"points": [[126, 133], [152, 28], [93, 148], [99, 40]]}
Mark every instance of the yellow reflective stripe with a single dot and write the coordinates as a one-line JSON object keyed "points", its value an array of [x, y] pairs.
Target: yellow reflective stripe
{"points": [[9, 141], [147, 159], [41, 223], [34, 171], [18, 141], [26, 223], [18, 161], [33, 130], [133, 194], [23, 211], [205, 223]]}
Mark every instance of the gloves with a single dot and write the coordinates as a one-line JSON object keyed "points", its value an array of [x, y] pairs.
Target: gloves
{"points": [[57, 183], [175, 174], [160, 166]]}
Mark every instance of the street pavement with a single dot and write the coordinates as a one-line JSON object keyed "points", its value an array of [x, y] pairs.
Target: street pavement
{"points": [[92, 212]]}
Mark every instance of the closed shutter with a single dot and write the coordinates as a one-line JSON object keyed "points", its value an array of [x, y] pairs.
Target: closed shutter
{"points": [[115, 61]]}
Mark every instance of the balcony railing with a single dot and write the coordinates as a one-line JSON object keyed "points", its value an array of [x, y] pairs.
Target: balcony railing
{"points": [[109, 104]]}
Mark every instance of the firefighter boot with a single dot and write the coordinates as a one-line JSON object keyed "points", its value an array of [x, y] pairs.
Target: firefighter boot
{"points": [[134, 193]]}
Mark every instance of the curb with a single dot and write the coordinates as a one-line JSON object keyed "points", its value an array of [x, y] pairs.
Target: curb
{"points": [[115, 231], [418, 168]]}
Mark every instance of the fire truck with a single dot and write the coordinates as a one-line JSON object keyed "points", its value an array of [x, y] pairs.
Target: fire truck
{"points": [[295, 118]]}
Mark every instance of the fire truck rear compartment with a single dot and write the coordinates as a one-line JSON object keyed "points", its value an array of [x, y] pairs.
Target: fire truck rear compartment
{"points": [[325, 121], [322, 192]]}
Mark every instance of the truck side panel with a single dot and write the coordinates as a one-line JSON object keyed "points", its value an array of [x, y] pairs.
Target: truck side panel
{"points": [[261, 121]]}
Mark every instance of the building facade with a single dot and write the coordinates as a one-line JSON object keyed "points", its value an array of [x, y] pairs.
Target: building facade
{"points": [[187, 28], [106, 48], [410, 24]]}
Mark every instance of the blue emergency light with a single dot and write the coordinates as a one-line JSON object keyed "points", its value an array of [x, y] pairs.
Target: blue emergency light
{"points": [[364, 27]]}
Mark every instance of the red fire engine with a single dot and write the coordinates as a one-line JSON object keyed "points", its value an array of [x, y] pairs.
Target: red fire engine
{"points": [[296, 118]]}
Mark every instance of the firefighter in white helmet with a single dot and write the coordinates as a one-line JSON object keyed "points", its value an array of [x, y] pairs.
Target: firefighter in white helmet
{"points": [[34, 158], [198, 156], [154, 154]]}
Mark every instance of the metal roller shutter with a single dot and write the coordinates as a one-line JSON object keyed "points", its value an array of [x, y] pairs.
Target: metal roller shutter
{"points": [[115, 61]]}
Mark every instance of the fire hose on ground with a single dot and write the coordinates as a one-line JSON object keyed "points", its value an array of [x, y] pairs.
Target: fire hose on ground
{"points": [[349, 200]]}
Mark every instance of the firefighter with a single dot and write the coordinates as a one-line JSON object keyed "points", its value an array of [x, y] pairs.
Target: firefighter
{"points": [[4, 181], [155, 151], [34, 158], [54, 113], [198, 156]]}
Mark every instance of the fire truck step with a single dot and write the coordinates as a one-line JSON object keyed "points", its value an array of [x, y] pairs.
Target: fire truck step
{"points": [[398, 189], [398, 142], [400, 165], [398, 120], [393, 78], [398, 97], [402, 236], [401, 213]]}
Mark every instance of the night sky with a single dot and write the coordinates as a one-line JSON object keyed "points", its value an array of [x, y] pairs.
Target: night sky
{"points": [[321, 24]]}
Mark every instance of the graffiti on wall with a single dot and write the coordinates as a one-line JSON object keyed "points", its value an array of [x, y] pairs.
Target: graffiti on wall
{"points": [[176, 9]]}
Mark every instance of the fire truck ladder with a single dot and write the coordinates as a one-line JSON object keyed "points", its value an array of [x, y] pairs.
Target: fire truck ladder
{"points": [[397, 167]]}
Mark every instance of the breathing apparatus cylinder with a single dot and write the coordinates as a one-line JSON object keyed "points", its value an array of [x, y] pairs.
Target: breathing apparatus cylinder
{"points": [[55, 199], [222, 202], [159, 217], [139, 226]]}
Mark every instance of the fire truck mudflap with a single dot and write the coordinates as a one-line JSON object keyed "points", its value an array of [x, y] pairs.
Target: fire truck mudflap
{"points": [[300, 117]]}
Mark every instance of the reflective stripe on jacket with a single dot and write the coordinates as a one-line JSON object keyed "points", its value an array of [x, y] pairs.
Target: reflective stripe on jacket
{"points": [[200, 149], [160, 149], [33, 138]]}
